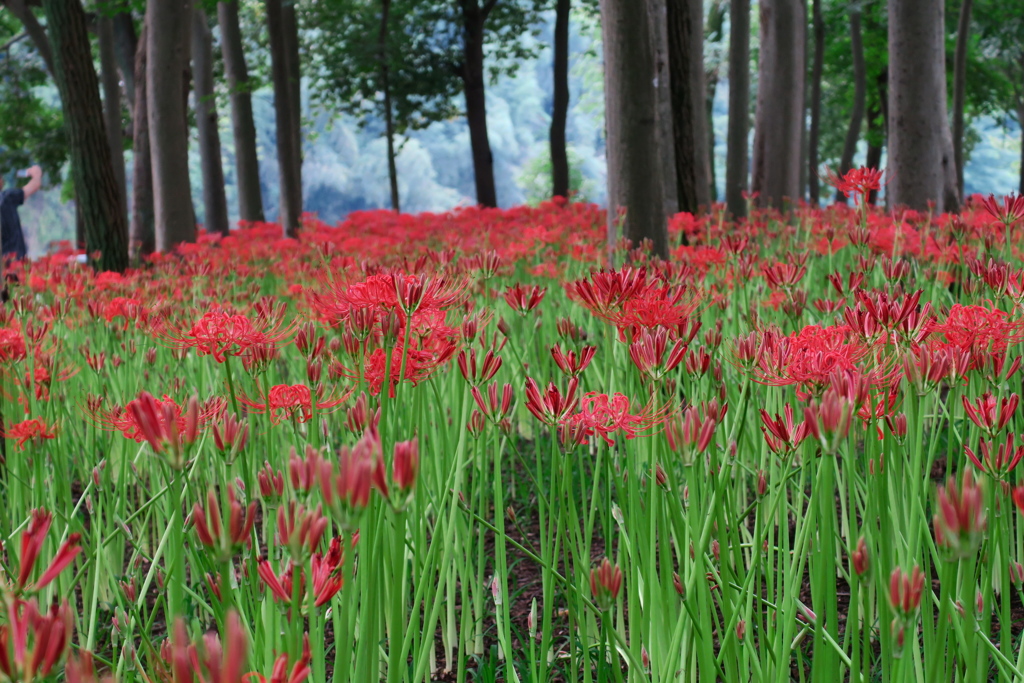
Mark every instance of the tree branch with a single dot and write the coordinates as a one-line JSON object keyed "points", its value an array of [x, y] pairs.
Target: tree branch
{"points": [[488, 6], [34, 29], [12, 41]]}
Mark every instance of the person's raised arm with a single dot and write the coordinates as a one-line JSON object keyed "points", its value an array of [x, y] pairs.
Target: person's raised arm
{"points": [[35, 175]]}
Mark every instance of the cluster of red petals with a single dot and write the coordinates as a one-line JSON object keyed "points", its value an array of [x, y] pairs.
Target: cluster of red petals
{"points": [[221, 333], [293, 401], [34, 430]]}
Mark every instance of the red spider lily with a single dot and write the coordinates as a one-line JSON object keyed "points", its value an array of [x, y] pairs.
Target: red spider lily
{"points": [[494, 409], [860, 559], [829, 419], [32, 540], [605, 583], [784, 275], [485, 372], [523, 299], [230, 434], [79, 669], [325, 570], [807, 358], [903, 317], [571, 363], [359, 419], [693, 433], [551, 407], [925, 367], [423, 358], [905, 591], [212, 533], [293, 402], [960, 521], [360, 468], [603, 415], [605, 292], [161, 418], [388, 292], [980, 331], [220, 334], [271, 482], [648, 353], [983, 411], [32, 643], [857, 182], [223, 663], [304, 471], [996, 460], [34, 430], [300, 529], [1011, 210], [12, 345], [281, 673], [781, 433], [405, 464]]}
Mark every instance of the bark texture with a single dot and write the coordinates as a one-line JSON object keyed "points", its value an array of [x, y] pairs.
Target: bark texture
{"points": [[963, 34], [657, 13], [142, 235], [474, 17], [917, 104], [103, 214], [112, 102], [859, 95], [560, 105], [389, 121], [167, 21], [736, 167], [690, 131], [287, 153], [632, 135], [125, 46], [814, 190], [215, 204], [243, 127], [779, 123]]}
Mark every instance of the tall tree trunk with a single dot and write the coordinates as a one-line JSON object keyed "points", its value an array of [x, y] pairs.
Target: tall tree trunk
{"points": [[290, 26], [142, 235], [917, 103], [473, 19], [389, 122], [560, 107], [125, 46], [665, 170], [963, 34], [686, 60], [739, 107], [34, 29], [215, 203], [779, 122], [167, 22], [859, 94], [632, 137], [713, 33], [104, 216], [112, 103], [814, 135], [243, 128], [291, 183]]}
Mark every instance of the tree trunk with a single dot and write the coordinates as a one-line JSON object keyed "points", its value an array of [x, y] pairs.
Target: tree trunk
{"points": [[779, 122], [112, 103], [103, 213], [34, 29], [473, 18], [142, 237], [168, 136], [859, 94], [665, 170], [963, 33], [560, 107], [291, 184], [739, 107], [215, 203], [686, 58], [917, 104], [815, 132], [243, 128], [291, 42], [125, 47], [389, 122], [713, 33], [632, 136]]}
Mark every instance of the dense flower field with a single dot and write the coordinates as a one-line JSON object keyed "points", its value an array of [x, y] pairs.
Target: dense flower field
{"points": [[454, 447]]}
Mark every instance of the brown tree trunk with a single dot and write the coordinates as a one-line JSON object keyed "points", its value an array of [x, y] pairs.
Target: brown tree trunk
{"points": [[632, 137], [736, 166], [34, 29], [665, 170], [917, 104], [291, 184], [125, 46], [473, 19], [243, 128], [103, 213], [686, 61], [142, 235], [215, 204], [111, 83], [290, 29], [168, 136], [859, 94], [389, 122], [963, 34], [815, 132], [560, 106], [713, 33], [779, 122]]}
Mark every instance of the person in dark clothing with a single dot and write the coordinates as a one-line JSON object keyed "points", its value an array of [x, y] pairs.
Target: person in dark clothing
{"points": [[12, 239]]}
